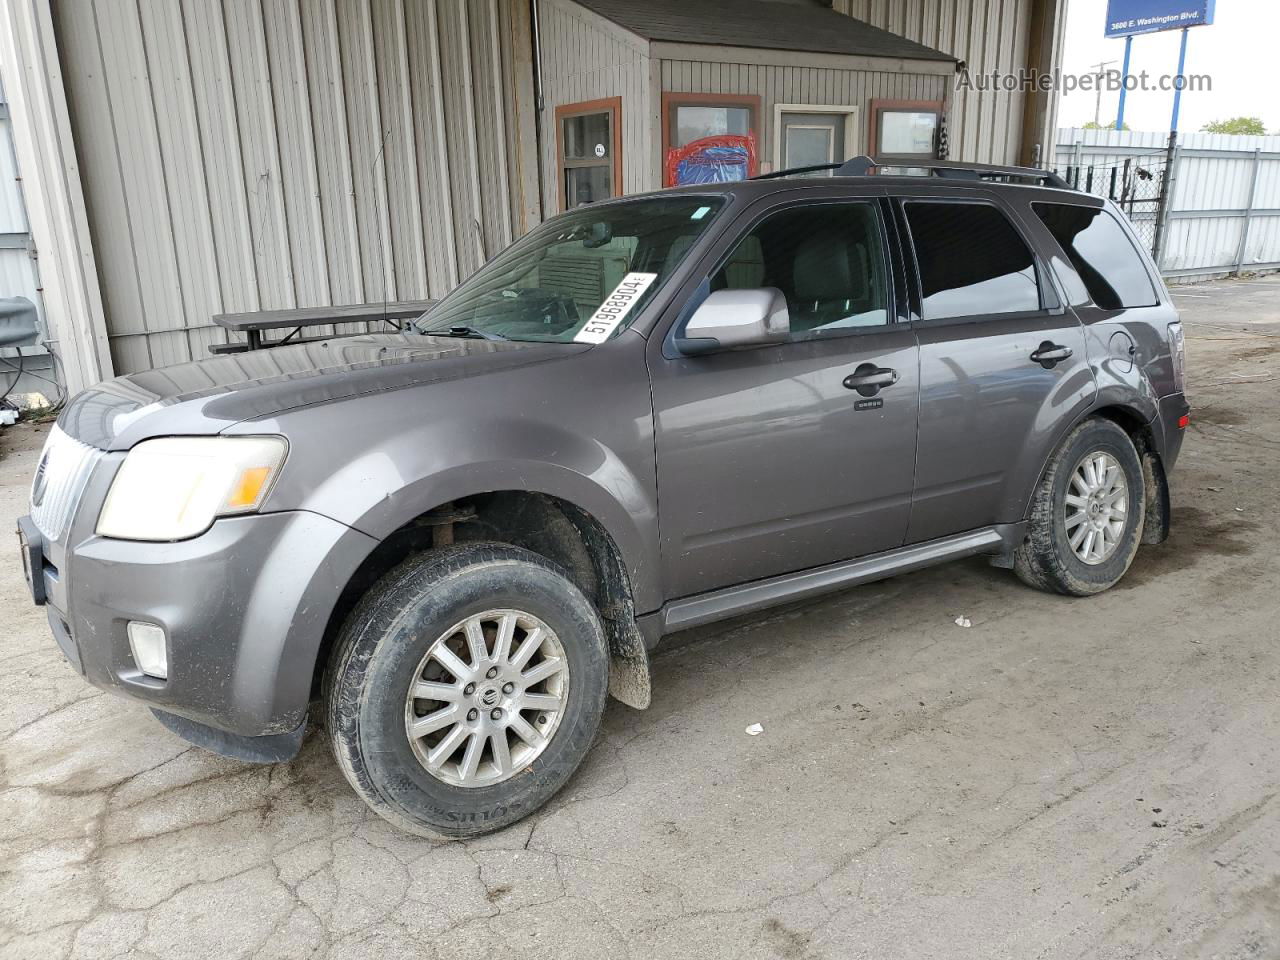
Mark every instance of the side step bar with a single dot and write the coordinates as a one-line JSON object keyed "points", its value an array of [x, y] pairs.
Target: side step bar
{"points": [[734, 601]]}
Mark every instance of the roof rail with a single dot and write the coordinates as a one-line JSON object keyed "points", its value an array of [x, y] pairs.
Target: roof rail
{"points": [[864, 166]]}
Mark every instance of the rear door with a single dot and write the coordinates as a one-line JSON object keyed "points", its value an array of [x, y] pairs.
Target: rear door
{"points": [[768, 461], [1115, 293], [1003, 365]]}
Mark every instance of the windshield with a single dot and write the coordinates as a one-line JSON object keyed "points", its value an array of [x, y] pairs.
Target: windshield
{"points": [[580, 277]]}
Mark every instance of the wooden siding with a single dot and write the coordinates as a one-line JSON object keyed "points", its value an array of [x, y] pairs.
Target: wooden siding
{"points": [[985, 127], [586, 57], [261, 154], [820, 86]]}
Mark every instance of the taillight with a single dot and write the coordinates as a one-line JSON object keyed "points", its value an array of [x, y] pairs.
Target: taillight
{"points": [[1178, 349]]}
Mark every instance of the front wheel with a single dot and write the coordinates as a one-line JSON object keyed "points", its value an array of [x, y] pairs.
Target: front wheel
{"points": [[1086, 514], [466, 688]]}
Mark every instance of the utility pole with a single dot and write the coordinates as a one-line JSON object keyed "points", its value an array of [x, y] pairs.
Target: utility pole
{"points": [[1097, 106]]}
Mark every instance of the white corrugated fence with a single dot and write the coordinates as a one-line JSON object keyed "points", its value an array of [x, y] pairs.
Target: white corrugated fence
{"points": [[1223, 213]]}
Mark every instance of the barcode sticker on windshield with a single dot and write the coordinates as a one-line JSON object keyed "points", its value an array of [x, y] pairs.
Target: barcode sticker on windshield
{"points": [[615, 308]]}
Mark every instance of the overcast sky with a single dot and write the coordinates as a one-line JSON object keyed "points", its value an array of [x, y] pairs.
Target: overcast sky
{"points": [[1238, 51]]}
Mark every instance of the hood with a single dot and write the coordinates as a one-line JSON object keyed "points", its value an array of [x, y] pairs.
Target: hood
{"points": [[207, 396]]}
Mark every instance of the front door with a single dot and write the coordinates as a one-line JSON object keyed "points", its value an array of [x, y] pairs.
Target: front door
{"points": [[810, 139], [771, 459], [1003, 366]]}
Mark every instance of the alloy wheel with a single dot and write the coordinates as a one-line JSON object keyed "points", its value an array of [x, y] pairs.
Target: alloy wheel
{"points": [[487, 698], [1096, 507]]}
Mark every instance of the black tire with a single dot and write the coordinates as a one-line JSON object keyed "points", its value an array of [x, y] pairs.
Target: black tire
{"points": [[1046, 559], [387, 636]]}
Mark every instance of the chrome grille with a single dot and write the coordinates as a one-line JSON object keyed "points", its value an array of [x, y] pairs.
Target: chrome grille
{"points": [[64, 469]]}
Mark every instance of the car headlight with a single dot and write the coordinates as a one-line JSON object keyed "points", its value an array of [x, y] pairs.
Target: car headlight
{"points": [[174, 487]]}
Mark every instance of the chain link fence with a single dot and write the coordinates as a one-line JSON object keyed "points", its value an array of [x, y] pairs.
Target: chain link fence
{"points": [[1134, 184], [1220, 194]]}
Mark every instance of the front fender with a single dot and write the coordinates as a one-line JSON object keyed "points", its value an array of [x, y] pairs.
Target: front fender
{"points": [[580, 430], [611, 493]]}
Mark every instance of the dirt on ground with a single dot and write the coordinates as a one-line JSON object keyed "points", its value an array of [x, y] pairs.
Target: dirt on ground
{"points": [[1064, 778]]}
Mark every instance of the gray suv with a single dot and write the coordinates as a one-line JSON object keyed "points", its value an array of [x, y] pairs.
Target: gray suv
{"points": [[450, 543]]}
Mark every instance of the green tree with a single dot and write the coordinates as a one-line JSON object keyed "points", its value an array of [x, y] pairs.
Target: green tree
{"points": [[1247, 125], [1091, 125]]}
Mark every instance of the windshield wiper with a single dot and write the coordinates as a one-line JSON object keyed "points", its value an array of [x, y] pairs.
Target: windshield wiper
{"points": [[470, 333]]}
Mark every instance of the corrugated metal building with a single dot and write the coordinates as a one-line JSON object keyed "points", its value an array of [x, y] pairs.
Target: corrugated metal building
{"points": [[18, 276], [198, 157]]}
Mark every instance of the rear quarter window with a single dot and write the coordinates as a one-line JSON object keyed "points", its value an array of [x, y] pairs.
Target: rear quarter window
{"points": [[1101, 252], [972, 261]]}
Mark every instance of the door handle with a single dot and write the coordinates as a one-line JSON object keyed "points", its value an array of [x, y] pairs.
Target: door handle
{"points": [[1049, 353], [867, 379]]}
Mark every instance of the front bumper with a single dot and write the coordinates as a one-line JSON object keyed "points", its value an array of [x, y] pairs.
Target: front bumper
{"points": [[244, 608]]}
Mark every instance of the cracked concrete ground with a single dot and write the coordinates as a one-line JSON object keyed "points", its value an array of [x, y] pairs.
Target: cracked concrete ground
{"points": [[1066, 778]]}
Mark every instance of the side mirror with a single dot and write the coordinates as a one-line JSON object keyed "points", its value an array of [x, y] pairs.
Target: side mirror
{"points": [[729, 319]]}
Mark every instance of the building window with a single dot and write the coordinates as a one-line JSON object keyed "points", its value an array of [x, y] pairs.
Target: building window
{"points": [[589, 144], [709, 136], [905, 129]]}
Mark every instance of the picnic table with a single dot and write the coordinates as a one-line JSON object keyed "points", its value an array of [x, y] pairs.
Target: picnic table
{"points": [[253, 325]]}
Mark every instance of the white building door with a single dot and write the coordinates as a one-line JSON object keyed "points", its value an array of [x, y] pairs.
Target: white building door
{"points": [[807, 136]]}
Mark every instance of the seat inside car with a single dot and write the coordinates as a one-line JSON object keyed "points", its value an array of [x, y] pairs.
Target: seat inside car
{"points": [[831, 283]]}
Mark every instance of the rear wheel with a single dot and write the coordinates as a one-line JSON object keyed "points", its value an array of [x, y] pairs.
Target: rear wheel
{"points": [[466, 688], [1086, 515]]}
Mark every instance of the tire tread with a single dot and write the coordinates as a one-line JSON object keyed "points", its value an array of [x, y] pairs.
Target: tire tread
{"points": [[376, 614], [1038, 560]]}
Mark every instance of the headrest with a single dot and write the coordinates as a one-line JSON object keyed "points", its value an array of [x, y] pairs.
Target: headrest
{"points": [[822, 269]]}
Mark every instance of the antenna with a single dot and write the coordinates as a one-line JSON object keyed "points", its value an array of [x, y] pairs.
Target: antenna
{"points": [[382, 263]]}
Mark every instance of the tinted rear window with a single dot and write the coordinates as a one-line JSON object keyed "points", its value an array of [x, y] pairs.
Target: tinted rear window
{"points": [[1102, 254], [972, 261]]}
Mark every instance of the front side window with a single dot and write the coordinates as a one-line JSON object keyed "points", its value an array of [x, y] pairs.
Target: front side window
{"points": [[827, 259], [1102, 254], [972, 261], [582, 276]]}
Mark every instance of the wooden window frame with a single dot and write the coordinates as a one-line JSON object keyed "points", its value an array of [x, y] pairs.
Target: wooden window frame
{"points": [[672, 100], [610, 105], [936, 107], [850, 114]]}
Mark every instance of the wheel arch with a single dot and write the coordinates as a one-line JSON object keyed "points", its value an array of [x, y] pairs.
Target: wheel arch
{"points": [[1155, 529], [554, 527], [1138, 426]]}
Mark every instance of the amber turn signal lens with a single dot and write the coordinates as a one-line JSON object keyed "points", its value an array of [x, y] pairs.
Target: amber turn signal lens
{"points": [[248, 487]]}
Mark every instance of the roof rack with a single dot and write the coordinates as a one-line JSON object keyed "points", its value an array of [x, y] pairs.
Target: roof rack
{"points": [[865, 166]]}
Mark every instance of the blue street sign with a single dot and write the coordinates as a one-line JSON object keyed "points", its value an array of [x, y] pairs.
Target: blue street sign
{"points": [[1128, 17]]}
